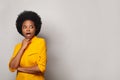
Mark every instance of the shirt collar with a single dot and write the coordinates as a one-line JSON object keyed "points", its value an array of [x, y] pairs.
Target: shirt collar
{"points": [[34, 38]]}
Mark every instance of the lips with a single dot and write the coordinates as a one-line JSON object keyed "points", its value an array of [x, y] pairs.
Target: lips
{"points": [[28, 34]]}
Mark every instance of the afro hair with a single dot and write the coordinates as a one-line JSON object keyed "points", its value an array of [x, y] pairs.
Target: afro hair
{"points": [[28, 15]]}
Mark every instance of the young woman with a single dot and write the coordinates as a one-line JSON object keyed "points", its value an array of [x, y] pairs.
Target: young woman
{"points": [[29, 56]]}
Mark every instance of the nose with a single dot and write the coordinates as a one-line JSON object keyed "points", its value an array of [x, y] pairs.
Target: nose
{"points": [[27, 29]]}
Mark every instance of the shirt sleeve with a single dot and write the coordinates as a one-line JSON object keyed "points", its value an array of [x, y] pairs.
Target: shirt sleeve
{"points": [[13, 55], [42, 58]]}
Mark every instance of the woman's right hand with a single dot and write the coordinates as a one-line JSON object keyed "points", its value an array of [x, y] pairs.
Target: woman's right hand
{"points": [[25, 43], [16, 60]]}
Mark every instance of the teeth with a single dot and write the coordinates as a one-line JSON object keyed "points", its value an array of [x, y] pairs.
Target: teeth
{"points": [[28, 34]]}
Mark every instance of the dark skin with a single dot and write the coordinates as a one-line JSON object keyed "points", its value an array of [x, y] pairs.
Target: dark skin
{"points": [[28, 31]]}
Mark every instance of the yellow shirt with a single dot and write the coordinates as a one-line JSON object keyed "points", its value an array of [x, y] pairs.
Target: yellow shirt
{"points": [[35, 54]]}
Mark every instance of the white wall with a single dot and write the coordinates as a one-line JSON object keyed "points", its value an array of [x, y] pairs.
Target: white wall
{"points": [[83, 37]]}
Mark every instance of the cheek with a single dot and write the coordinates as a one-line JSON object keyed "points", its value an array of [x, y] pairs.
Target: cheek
{"points": [[23, 31], [33, 31]]}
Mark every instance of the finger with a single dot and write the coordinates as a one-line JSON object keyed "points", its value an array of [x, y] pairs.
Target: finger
{"points": [[27, 39]]}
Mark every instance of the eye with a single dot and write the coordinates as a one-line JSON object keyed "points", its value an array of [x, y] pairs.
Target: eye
{"points": [[31, 26], [24, 27]]}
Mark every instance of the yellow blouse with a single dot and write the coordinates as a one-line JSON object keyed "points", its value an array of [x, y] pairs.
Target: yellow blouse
{"points": [[35, 54]]}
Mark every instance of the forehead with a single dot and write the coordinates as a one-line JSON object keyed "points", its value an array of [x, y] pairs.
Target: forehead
{"points": [[28, 22]]}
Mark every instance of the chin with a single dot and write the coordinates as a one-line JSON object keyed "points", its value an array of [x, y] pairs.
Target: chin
{"points": [[29, 37]]}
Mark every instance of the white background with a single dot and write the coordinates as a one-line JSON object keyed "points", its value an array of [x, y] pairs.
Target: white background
{"points": [[83, 37]]}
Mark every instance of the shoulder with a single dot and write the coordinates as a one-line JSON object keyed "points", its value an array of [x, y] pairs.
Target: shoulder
{"points": [[40, 40], [18, 45]]}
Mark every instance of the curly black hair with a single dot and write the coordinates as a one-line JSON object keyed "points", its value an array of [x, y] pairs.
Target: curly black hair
{"points": [[28, 15]]}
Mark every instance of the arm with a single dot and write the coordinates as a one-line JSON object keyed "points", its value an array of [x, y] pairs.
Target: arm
{"points": [[31, 70], [14, 64], [40, 67], [16, 60]]}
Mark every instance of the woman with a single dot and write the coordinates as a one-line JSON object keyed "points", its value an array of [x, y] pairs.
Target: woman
{"points": [[29, 56]]}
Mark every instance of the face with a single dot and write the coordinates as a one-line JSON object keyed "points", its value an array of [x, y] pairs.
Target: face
{"points": [[28, 29]]}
